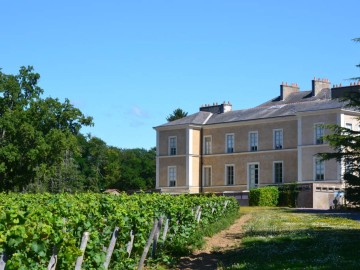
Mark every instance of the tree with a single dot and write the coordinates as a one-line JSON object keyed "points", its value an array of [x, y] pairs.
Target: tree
{"points": [[138, 169], [37, 136], [42, 149], [346, 145], [177, 114]]}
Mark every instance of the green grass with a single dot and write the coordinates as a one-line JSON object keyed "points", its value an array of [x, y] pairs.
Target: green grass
{"points": [[279, 238], [197, 240]]}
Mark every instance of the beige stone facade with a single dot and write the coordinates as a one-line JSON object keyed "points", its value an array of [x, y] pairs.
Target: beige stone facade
{"points": [[221, 150]]}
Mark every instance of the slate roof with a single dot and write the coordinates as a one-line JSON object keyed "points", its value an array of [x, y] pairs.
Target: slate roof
{"points": [[198, 118], [302, 101]]}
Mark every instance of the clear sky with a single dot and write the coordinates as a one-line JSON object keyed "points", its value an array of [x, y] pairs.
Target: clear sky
{"points": [[130, 63]]}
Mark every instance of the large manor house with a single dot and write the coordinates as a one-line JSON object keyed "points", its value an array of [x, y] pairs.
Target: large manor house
{"points": [[222, 150]]}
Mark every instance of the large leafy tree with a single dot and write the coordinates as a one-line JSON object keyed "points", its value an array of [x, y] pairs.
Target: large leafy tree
{"points": [[346, 145], [42, 149], [138, 169], [176, 114], [37, 136]]}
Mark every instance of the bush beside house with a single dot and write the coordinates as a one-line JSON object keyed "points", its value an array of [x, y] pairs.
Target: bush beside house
{"points": [[264, 196]]}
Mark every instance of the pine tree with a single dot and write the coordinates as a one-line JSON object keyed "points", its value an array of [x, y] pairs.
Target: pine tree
{"points": [[346, 145], [177, 114]]}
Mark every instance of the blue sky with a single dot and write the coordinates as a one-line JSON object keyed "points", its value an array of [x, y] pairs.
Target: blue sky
{"points": [[130, 63]]}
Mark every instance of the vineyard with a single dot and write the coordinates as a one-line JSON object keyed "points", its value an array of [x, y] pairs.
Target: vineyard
{"points": [[34, 227]]}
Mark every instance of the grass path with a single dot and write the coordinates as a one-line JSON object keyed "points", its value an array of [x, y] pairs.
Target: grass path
{"points": [[281, 238], [209, 256]]}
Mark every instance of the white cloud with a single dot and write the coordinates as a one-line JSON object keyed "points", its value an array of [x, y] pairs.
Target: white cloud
{"points": [[138, 112]]}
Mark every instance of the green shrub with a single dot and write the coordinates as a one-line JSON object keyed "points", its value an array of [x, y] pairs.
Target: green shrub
{"points": [[288, 195], [264, 196]]}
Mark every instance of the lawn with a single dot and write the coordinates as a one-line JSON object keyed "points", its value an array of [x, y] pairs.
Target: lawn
{"points": [[280, 238]]}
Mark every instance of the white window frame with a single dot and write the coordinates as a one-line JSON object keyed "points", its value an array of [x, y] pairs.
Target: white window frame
{"points": [[316, 160], [170, 148], [316, 137], [226, 174], [253, 144], [258, 173], [204, 178], [169, 176], [349, 126], [206, 150], [282, 171], [226, 143], [280, 145]]}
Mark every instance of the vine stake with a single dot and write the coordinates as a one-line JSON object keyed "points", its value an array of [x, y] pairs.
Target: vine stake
{"points": [[83, 244]]}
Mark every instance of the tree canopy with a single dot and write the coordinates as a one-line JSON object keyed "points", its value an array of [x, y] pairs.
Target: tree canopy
{"points": [[176, 114], [42, 148], [346, 145]]}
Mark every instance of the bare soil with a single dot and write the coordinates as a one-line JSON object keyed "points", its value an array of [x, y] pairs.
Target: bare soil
{"points": [[213, 251]]}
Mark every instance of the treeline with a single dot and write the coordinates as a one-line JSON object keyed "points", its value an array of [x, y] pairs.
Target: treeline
{"points": [[42, 148]]}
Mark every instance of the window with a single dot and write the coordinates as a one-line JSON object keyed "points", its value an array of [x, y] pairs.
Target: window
{"points": [[348, 125], [172, 176], [229, 175], [253, 141], [319, 169], [229, 143], [278, 172], [319, 133], [207, 176], [253, 174], [207, 145], [172, 146], [278, 138]]}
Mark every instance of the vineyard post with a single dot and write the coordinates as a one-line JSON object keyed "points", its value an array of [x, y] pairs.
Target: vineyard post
{"points": [[166, 227], [53, 260], [156, 236], [147, 246], [225, 205], [2, 261], [199, 216], [83, 244], [197, 211], [129, 245], [111, 247]]}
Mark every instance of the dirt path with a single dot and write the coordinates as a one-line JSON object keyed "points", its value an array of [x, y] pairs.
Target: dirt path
{"points": [[211, 254]]}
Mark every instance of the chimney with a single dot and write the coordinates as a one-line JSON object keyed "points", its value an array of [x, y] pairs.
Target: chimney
{"points": [[345, 91], [286, 90], [319, 84], [217, 108]]}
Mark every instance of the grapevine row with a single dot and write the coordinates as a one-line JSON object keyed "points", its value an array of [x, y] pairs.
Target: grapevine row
{"points": [[32, 225]]}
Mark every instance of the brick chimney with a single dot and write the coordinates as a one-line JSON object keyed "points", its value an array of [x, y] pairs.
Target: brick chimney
{"points": [[319, 84], [216, 108], [286, 90]]}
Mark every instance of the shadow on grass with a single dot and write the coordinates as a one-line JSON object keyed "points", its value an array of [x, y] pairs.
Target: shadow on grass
{"points": [[201, 261], [354, 215], [299, 249]]}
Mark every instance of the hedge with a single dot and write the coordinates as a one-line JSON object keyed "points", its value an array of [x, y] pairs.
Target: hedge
{"points": [[288, 195], [264, 196]]}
